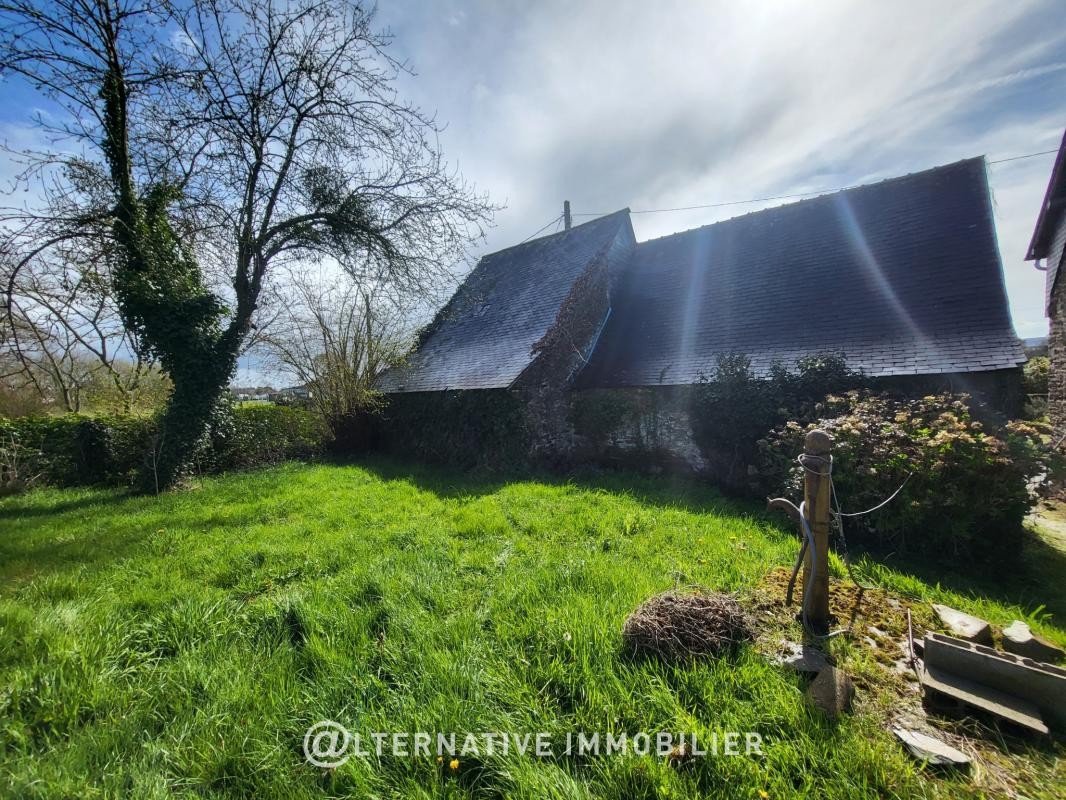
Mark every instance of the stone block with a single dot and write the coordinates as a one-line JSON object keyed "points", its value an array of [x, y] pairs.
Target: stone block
{"points": [[964, 626], [962, 690], [832, 691], [1041, 684], [931, 750], [802, 658], [1019, 639]]}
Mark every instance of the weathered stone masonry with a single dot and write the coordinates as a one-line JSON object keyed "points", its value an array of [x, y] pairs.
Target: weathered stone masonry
{"points": [[1057, 334]]}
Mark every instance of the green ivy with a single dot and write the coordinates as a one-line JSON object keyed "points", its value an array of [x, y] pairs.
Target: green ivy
{"points": [[485, 428], [597, 413], [734, 408]]}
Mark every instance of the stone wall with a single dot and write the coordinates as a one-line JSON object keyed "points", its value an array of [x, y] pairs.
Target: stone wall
{"points": [[1057, 331], [653, 428], [999, 395], [481, 428], [1057, 359], [648, 428]]}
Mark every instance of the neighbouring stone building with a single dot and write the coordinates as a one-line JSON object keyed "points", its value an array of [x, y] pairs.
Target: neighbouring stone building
{"points": [[1048, 244], [587, 344]]}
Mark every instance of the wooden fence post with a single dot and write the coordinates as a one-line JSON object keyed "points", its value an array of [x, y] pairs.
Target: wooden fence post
{"points": [[816, 496]]}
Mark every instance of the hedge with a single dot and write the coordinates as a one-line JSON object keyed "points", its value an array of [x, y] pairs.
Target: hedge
{"points": [[76, 450]]}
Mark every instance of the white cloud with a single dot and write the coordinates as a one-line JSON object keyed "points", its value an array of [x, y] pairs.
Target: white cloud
{"points": [[652, 105]]}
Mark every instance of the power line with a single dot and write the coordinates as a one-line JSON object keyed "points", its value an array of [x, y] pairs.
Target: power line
{"points": [[716, 205], [556, 219], [775, 197], [1027, 155]]}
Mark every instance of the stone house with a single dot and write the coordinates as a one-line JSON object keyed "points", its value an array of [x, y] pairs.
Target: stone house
{"points": [[1047, 246], [902, 277]]}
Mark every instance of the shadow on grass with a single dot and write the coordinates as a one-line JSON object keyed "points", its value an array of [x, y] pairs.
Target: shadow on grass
{"points": [[1031, 579], [666, 491], [91, 531], [16, 508]]}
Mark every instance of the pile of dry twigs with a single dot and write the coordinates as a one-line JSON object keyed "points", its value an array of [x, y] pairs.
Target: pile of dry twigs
{"points": [[679, 624]]}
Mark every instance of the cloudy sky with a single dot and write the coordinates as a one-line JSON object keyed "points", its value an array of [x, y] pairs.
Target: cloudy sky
{"points": [[658, 105], [651, 105]]}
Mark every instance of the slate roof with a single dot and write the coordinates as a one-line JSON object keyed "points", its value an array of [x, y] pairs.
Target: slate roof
{"points": [[483, 338], [1048, 235], [902, 277]]}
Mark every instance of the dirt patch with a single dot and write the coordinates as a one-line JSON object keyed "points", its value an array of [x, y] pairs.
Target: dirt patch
{"points": [[872, 652], [875, 618]]}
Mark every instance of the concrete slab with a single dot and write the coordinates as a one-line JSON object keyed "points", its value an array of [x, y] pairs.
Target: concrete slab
{"points": [[1019, 639], [931, 750], [802, 658]]}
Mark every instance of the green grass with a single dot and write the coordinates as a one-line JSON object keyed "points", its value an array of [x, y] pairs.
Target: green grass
{"points": [[182, 645]]}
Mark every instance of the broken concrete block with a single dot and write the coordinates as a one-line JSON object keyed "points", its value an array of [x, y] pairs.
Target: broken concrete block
{"points": [[1019, 639], [832, 691], [932, 750], [801, 658], [940, 683], [964, 626], [1042, 685]]}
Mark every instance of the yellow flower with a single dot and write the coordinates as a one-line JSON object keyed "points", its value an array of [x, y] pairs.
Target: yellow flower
{"points": [[764, 795], [440, 759], [454, 763]]}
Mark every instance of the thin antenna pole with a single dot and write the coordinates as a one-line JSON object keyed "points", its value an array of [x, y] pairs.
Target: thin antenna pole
{"points": [[566, 215]]}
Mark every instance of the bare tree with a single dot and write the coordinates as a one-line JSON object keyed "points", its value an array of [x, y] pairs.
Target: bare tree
{"points": [[65, 334], [231, 136], [336, 338]]}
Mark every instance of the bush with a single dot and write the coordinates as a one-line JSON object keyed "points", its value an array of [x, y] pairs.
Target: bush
{"points": [[74, 450], [1035, 380], [735, 408], [1035, 375], [485, 428], [968, 491], [256, 435]]}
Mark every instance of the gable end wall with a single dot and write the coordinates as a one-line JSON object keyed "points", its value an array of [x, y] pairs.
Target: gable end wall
{"points": [[1057, 329]]}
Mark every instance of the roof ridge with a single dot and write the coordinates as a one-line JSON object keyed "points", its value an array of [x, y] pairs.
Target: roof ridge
{"points": [[558, 233], [820, 197]]}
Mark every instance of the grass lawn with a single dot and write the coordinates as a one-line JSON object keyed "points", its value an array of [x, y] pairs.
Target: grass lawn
{"points": [[183, 645]]}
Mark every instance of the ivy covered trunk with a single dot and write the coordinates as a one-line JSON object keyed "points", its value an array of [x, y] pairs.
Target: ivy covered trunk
{"points": [[187, 419], [162, 296]]}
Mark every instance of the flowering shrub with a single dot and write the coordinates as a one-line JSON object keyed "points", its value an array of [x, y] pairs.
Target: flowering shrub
{"points": [[969, 488]]}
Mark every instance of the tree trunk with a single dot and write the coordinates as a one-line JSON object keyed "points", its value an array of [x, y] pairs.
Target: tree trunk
{"points": [[187, 419]]}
